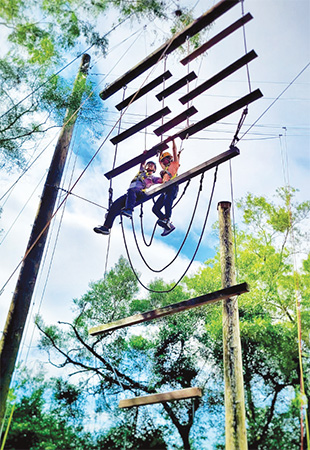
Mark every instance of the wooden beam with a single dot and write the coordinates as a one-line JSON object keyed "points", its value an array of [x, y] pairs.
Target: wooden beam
{"points": [[139, 126], [233, 107], [219, 77], [137, 160], [177, 85], [161, 398], [177, 39], [144, 90], [211, 42], [171, 309], [175, 121], [207, 165]]}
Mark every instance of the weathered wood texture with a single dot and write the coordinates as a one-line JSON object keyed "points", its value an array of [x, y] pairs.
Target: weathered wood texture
{"points": [[235, 421], [139, 126], [144, 90], [219, 77], [168, 47], [171, 309], [177, 85], [175, 121], [161, 398], [211, 42]]}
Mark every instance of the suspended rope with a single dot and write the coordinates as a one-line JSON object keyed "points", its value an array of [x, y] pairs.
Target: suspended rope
{"points": [[148, 244], [184, 240], [193, 257]]}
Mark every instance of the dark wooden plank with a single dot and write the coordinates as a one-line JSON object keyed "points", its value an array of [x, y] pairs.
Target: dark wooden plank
{"points": [[177, 85], [162, 397], [175, 121], [168, 47], [211, 42], [144, 90], [219, 77], [137, 160], [212, 297], [194, 172], [139, 126], [233, 107]]}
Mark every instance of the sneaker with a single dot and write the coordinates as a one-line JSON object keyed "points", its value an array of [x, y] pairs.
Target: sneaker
{"points": [[102, 230], [170, 229], [164, 223], [127, 213]]}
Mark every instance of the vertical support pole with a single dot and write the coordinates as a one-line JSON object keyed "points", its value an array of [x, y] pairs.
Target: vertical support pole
{"points": [[18, 312], [235, 429]]}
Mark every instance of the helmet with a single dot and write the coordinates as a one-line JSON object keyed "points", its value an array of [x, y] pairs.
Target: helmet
{"points": [[151, 162], [165, 155]]}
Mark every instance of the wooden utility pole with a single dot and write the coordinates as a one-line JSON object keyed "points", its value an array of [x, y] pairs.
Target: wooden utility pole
{"points": [[235, 429], [17, 315]]}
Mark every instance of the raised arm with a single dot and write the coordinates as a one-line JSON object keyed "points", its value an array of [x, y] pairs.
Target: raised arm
{"points": [[174, 151]]}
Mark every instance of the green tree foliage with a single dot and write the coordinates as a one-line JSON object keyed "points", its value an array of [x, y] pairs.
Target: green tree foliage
{"points": [[40, 36], [47, 415], [186, 349]]}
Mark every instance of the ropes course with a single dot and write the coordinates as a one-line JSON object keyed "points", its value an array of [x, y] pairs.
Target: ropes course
{"points": [[152, 62]]}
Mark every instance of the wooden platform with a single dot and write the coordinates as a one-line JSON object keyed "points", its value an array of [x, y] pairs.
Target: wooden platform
{"points": [[161, 398], [169, 46], [212, 297]]}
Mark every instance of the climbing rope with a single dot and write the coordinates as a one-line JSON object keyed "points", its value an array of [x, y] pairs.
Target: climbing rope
{"points": [[148, 244], [193, 257], [184, 240]]}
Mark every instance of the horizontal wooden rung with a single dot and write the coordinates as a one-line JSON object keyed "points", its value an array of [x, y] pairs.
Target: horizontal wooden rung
{"points": [[169, 46], [139, 126], [219, 115], [144, 90], [171, 396], [158, 148], [175, 121], [212, 297], [177, 85], [219, 77], [207, 45], [194, 172]]}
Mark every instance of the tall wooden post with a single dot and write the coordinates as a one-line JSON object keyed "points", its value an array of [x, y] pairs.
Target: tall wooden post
{"points": [[235, 429], [17, 315]]}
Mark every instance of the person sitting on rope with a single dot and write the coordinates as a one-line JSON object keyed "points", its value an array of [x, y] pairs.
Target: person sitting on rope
{"points": [[170, 165], [124, 205]]}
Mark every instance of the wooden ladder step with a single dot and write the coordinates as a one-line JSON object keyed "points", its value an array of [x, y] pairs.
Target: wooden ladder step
{"points": [[139, 126], [207, 45], [219, 77], [212, 297], [177, 85], [144, 90], [171, 396], [175, 121]]}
